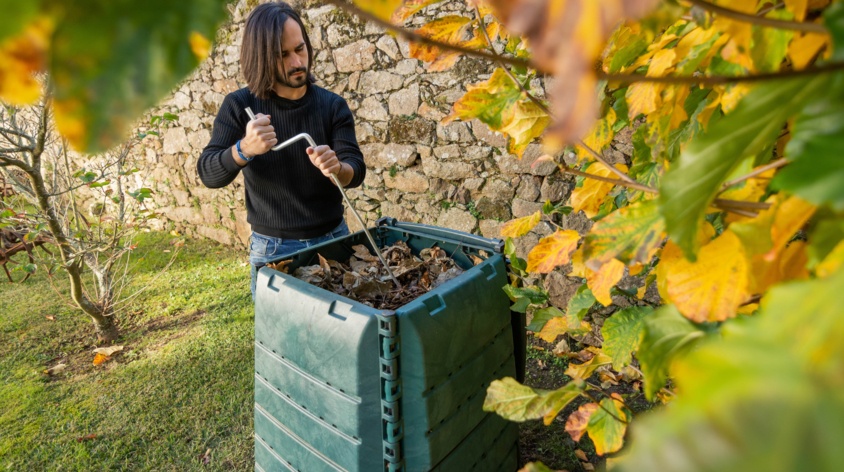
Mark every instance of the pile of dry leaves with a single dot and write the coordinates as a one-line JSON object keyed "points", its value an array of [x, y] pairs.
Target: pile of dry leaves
{"points": [[363, 278]]}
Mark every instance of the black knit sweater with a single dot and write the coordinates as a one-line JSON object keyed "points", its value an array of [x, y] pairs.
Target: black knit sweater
{"points": [[286, 195]]}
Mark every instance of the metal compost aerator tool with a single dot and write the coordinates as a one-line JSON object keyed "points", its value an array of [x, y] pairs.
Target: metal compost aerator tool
{"points": [[310, 140]]}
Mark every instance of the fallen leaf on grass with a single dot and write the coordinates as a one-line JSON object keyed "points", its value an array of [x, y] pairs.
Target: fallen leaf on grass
{"points": [[108, 351], [87, 437], [56, 369], [205, 459], [101, 359], [50, 317]]}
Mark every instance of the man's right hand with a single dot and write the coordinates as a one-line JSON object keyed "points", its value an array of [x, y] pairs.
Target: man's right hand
{"points": [[260, 137]]}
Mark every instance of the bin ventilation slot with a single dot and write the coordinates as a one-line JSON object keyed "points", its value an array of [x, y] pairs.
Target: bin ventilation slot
{"points": [[434, 304], [338, 307], [274, 283], [489, 271]]}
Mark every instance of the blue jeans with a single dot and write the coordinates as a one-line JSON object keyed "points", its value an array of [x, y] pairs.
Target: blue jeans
{"points": [[264, 249]]}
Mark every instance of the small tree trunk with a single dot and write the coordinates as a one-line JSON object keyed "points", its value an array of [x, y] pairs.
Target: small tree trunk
{"points": [[101, 316]]}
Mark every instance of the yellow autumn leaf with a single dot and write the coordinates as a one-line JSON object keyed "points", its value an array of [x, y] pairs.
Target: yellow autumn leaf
{"points": [[832, 262], [578, 267], [520, 226], [448, 29], [600, 136], [789, 217], [732, 96], [199, 45], [21, 58], [604, 279], [100, 358], [662, 62], [585, 370], [554, 327], [524, 122], [797, 7], [713, 287], [591, 195], [552, 251], [643, 98], [383, 9], [789, 264]]}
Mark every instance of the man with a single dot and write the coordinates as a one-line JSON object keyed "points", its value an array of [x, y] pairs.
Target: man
{"points": [[291, 201]]}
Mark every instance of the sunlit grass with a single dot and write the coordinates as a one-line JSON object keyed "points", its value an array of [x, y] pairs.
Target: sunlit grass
{"points": [[182, 385]]}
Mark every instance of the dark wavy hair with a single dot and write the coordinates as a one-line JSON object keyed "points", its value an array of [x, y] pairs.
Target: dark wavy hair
{"points": [[261, 49]]}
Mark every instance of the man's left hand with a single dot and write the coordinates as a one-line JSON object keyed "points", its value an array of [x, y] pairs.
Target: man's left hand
{"points": [[325, 160]]}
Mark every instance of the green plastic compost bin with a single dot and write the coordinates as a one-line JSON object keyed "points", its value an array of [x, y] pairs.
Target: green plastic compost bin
{"points": [[340, 386]]}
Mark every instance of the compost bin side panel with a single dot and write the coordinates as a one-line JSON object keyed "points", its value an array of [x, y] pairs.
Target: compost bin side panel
{"points": [[317, 388], [455, 340]]}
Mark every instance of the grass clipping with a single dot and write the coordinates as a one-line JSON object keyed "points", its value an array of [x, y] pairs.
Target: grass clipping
{"points": [[363, 278]]}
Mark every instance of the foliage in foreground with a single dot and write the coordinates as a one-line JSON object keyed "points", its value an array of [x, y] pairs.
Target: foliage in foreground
{"points": [[731, 196]]}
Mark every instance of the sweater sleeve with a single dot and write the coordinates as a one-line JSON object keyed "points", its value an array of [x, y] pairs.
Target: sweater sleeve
{"points": [[216, 166], [345, 143]]}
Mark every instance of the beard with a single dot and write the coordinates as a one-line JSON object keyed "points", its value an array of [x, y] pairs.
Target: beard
{"points": [[286, 80]]}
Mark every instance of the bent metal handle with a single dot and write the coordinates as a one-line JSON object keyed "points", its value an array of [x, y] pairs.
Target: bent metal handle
{"points": [[310, 140]]}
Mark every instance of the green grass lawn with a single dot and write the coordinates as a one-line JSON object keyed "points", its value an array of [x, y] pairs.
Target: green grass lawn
{"points": [[181, 387]]}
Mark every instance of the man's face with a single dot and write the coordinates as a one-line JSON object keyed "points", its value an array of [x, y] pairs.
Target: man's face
{"points": [[293, 70]]}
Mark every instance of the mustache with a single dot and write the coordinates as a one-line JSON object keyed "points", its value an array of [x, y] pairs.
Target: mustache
{"points": [[298, 69]]}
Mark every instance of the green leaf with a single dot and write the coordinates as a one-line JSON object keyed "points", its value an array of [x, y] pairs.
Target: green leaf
{"points": [[691, 185], [771, 44], [765, 396], [524, 297], [488, 101], [622, 333], [516, 402], [607, 426], [834, 21], [100, 184], [581, 302], [824, 236], [629, 235], [541, 316], [667, 335], [626, 46], [816, 171], [112, 60]]}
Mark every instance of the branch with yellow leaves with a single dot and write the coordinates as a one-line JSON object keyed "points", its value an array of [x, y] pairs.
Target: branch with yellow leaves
{"points": [[618, 78], [539, 103]]}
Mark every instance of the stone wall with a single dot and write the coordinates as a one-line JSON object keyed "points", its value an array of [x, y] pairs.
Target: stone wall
{"points": [[458, 176]]}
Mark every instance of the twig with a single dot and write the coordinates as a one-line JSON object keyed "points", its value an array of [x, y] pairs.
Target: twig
{"points": [[757, 20], [612, 169], [761, 170], [594, 400], [742, 204], [764, 11], [720, 79], [623, 183]]}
